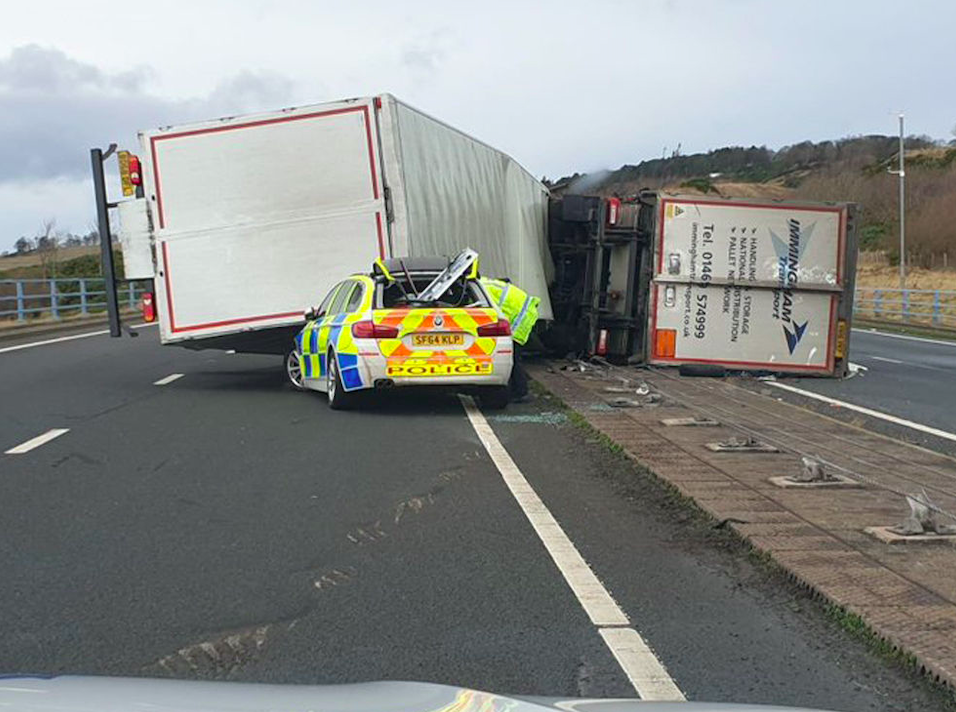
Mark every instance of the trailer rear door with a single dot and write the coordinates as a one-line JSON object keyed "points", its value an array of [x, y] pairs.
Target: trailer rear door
{"points": [[749, 285], [256, 217]]}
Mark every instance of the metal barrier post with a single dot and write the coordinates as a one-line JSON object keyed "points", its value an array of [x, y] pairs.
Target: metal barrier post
{"points": [[54, 311], [132, 296], [83, 309], [21, 315], [906, 305], [877, 303], [936, 308]]}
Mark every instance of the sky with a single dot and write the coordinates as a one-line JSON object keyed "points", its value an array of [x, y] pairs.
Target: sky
{"points": [[560, 86]]}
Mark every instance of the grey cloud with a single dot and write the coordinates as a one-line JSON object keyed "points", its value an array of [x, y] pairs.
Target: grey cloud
{"points": [[54, 108], [425, 55]]}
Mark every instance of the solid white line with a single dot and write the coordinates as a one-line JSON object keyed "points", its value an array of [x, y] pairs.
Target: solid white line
{"points": [[906, 337], [639, 663], [641, 666], [71, 337], [37, 441], [169, 379], [868, 411], [882, 358]]}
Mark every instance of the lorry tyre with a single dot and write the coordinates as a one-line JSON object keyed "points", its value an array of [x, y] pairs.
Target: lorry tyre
{"points": [[495, 397], [338, 398], [293, 370]]}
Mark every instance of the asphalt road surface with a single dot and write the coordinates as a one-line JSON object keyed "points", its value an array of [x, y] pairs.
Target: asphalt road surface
{"points": [[220, 525], [907, 378]]}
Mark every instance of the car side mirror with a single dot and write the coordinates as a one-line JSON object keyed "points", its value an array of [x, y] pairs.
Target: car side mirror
{"points": [[313, 314]]}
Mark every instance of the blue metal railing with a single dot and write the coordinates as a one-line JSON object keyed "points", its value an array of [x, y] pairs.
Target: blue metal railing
{"points": [[929, 307], [22, 299]]}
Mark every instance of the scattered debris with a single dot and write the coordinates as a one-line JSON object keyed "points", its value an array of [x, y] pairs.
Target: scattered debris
{"points": [[625, 403], [643, 389], [703, 422], [745, 444], [544, 418]]}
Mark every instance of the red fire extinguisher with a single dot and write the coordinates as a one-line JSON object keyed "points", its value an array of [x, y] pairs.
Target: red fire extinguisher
{"points": [[149, 309]]}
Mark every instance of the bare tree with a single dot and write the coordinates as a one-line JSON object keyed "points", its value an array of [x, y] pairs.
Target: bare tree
{"points": [[48, 246]]}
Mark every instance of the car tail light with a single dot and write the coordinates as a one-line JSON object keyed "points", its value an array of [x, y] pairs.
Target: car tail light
{"points": [[501, 328], [371, 330], [149, 308]]}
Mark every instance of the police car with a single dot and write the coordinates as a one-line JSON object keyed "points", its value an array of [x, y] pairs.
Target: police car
{"points": [[409, 322]]}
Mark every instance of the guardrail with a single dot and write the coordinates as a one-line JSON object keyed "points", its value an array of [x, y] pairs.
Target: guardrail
{"points": [[928, 307], [22, 299]]}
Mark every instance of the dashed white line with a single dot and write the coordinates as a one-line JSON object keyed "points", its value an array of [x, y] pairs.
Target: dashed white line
{"points": [[168, 379], [867, 411], [883, 358], [645, 672], [71, 337], [36, 442]]}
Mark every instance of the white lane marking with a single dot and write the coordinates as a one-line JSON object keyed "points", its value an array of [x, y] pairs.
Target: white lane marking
{"points": [[868, 411], [169, 379], [856, 368], [646, 673], [71, 337], [37, 441], [906, 337], [641, 666], [46, 342], [882, 358]]}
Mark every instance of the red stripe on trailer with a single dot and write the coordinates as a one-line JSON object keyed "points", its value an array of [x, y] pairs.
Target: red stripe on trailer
{"points": [[381, 237], [169, 291], [371, 151], [253, 124]]}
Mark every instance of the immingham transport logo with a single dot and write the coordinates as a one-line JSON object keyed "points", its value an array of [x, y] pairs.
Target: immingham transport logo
{"points": [[789, 254]]}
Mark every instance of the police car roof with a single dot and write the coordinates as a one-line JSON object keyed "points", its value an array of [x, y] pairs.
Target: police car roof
{"points": [[417, 264]]}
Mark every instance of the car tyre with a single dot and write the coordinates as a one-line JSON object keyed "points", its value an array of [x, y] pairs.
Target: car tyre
{"points": [[495, 397], [338, 398], [293, 370]]}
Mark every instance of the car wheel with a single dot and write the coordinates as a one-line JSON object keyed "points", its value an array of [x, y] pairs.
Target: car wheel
{"points": [[495, 397], [338, 398], [293, 370]]}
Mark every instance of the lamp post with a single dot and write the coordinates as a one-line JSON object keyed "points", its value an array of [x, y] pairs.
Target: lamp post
{"points": [[902, 174]]}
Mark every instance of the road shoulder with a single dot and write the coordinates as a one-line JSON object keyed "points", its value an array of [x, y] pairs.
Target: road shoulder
{"points": [[903, 596]]}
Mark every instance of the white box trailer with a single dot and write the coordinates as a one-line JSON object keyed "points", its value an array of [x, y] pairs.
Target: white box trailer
{"points": [[751, 285], [254, 218]]}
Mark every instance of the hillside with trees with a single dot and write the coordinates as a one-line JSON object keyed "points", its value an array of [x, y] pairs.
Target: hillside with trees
{"points": [[850, 169]]}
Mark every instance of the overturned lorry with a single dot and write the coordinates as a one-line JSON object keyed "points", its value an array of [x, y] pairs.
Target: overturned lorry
{"points": [[243, 223]]}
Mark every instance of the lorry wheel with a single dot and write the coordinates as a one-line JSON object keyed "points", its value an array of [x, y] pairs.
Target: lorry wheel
{"points": [[293, 370], [338, 398], [495, 397]]}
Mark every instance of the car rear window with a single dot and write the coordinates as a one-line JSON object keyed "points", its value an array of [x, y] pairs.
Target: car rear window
{"points": [[463, 293]]}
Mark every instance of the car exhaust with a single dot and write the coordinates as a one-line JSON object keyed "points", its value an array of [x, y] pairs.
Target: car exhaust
{"points": [[382, 383]]}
